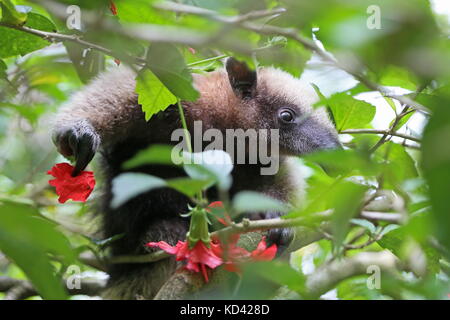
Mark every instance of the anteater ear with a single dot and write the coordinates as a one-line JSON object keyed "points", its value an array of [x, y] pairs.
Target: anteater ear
{"points": [[242, 79]]}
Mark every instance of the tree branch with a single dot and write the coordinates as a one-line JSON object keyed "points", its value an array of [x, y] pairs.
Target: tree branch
{"points": [[397, 218], [16, 289], [304, 235], [386, 132], [328, 276], [59, 37]]}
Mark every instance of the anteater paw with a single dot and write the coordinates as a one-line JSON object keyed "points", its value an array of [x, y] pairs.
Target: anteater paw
{"points": [[79, 141]]}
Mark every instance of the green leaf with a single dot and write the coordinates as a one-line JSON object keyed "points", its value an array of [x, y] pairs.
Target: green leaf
{"points": [[281, 273], [397, 239], [389, 228], [167, 63], [27, 239], [402, 121], [436, 167], [10, 15], [398, 77], [140, 11], [346, 200], [250, 201], [391, 103], [288, 55], [187, 186], [153, 95], [14, 42], [398, 165], [365, 224], [3, 68], [155, 154], [356, 289], [350, 113], [211, 165], [129, 185], [345, 162]]}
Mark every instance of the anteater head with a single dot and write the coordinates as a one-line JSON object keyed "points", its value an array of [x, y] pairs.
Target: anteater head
{"points": [[269, 98]]}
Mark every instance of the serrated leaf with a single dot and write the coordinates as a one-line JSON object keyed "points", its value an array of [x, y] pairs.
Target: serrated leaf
{"points": [[153, 95], [167, 63], [350, 113]]}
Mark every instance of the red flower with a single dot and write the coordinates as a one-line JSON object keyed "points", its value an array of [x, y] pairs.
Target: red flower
{"points": [[262, 253], [198, 258], [113, 8], [236, 255], [201, 256], [67, 187]]}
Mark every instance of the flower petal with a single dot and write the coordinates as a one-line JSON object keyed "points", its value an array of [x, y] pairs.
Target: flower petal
{"points": [[67, 187], [262, 253]]}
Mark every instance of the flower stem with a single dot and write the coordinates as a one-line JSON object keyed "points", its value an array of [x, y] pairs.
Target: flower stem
{"points": [[183, 123]]}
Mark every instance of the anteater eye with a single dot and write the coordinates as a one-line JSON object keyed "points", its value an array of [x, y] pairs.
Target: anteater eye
{"points": [[286, 116]]}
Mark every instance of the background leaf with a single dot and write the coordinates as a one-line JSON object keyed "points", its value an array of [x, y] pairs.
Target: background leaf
{"points": [[15, 42], [27, 239]]}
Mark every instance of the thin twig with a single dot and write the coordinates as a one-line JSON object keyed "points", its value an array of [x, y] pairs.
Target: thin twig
{"points": [[59, 37], [17, 289], [386, 132]]}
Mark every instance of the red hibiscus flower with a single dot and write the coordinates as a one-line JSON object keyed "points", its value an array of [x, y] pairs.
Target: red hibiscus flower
{"points": [[197, 258], [211, 253], [233, 255], [262, 253], [67, 187]]}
